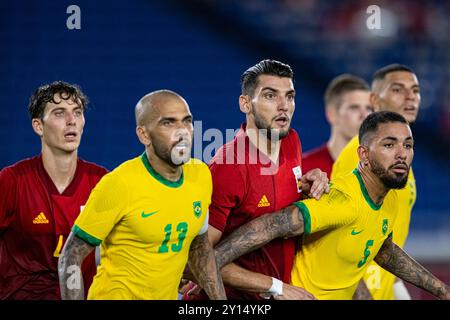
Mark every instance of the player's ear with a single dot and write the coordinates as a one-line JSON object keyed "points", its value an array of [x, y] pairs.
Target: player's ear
{"points": [[37, 125], [374, 101], [143, 136], [331, 114], [363, 154], [245, 103]]}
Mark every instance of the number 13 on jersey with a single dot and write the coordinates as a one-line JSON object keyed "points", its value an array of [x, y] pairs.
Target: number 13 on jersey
{"points": [[182, 229]]}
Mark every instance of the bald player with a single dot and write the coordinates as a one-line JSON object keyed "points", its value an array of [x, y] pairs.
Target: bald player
{"points": [[149, 215]]}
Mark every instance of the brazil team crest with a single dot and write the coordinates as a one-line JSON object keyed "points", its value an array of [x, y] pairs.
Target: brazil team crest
{"points": [[197, 208], [385, 226]]}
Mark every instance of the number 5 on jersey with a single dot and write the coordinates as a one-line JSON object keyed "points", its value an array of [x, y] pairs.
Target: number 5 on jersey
{"points": [[182, 229]]}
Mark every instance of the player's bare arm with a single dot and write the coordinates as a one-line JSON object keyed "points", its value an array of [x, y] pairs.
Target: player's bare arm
{"points": [[69, 267], [287, 222], [362, 292], [395, 260], [202, 264]]}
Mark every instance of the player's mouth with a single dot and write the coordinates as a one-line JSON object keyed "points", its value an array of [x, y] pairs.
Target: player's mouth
{"points": [[282, 120], [411, 109], [400, 168], [182, 146], [71, 136]]}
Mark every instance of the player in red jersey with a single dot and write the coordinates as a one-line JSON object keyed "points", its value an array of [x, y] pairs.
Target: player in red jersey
{"points": [[257, 172], [42, 196], [347, 104]]}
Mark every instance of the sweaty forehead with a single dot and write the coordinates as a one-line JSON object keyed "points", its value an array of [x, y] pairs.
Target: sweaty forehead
{"points": [[404, 77], [60, 102], [398, 130], [164, 107], [274, 82]]}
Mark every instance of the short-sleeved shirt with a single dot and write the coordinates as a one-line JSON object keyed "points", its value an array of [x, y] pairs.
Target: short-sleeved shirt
{"points": [[319, 157], [145, 225], [379, 281], [35, 221], [247, 185], [344, 231]]}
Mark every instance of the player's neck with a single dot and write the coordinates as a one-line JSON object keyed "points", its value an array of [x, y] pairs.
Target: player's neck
{"points": [[60, 166], [167, 171], [375, 188], [271, 148], [336, 144]]}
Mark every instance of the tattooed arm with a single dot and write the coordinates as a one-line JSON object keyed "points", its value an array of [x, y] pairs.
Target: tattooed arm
{"points": [[362, 292], [395, 260], [202, 264], [287, 222], [69, 267]]}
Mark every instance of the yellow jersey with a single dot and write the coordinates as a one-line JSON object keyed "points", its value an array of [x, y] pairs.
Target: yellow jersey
{"points": [[379, 281], [344, 231], [145, 225]]}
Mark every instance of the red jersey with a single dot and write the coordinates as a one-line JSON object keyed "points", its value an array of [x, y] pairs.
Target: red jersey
{"points": [[242, 191], [319, 157], [35, 220]]}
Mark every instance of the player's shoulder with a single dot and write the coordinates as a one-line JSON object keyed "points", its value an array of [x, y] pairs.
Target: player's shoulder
{"points": [[316, 153], [92, 168], [22, 167], [293, 137], [346, 187], [196, 165]]}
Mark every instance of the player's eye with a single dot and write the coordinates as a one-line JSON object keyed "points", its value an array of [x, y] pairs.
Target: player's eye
{"points": [[388, 145], [78, 113], [270, 95], [409, 146], [290, 97], [396, 89], [416, 91], [59, 113]]}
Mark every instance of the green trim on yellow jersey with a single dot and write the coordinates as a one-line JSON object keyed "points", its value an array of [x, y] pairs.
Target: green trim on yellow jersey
{"points": [[365, 193], [160, 178], [83, 235], [306, 217]]}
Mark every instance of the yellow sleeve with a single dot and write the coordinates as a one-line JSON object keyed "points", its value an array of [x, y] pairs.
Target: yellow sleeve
{"points": [[347, 160], [333, 210], [104, 208]]}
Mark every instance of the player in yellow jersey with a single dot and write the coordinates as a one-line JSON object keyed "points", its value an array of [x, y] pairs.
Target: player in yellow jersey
{"points": [[149, 215], [351, 226], [394, 88]]}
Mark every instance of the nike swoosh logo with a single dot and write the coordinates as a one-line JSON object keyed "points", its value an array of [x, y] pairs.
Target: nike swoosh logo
{"points": [[354, 233], [146, 215]]}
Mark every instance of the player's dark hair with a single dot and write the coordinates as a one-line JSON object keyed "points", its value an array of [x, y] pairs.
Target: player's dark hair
{"points": [[342, 84], [373, 120], [46, 93], [381, 73], [249, 78]]}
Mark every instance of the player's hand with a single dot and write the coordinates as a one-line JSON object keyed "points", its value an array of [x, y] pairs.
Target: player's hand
{"points": [[315, 183], [291, 292], [184, 286], [446, 295]]}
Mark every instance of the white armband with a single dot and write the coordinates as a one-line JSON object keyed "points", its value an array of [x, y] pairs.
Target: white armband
{"points": [[277, 287], [400, 291], [204, 227]]}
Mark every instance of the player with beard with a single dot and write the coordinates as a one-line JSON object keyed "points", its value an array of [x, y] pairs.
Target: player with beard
{"points": [[352, 225], [259, 171], [395, 88], [149, 215]]}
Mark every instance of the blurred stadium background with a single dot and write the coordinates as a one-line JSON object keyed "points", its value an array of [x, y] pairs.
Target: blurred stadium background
{"points": [[199, 48]]}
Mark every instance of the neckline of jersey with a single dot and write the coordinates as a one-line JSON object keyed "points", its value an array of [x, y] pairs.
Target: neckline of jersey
{"points": [[158, 177], [365, 193]]}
